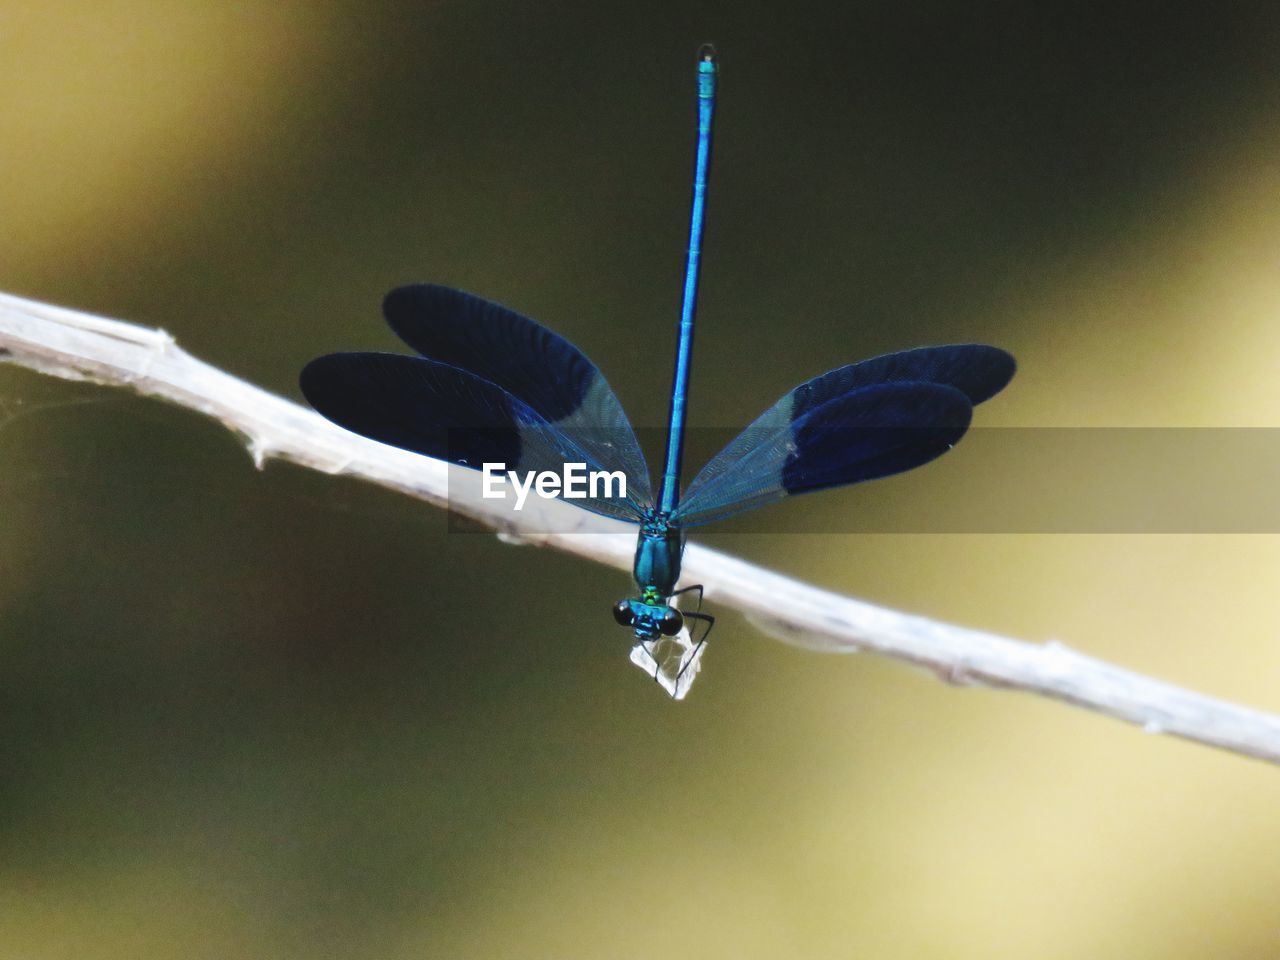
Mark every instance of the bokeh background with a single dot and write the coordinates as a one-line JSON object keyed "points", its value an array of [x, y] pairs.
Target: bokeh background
{"points": [[277, 714]]}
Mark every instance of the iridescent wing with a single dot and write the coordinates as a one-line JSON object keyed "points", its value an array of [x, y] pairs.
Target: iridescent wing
{"points": [[536, 366], [975, 369], [451, 414], [866, 420]]}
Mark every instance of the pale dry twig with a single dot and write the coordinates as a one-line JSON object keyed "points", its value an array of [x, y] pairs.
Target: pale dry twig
{"points": [[78, 346]]}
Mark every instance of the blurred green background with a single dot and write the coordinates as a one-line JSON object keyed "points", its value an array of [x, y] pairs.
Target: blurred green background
{"points": [[280, 714]]}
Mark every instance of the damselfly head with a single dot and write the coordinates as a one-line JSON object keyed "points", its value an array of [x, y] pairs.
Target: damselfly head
{"points": [[648, 620]]}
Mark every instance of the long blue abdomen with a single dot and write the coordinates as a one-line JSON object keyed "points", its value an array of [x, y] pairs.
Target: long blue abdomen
{"points": [[670, 493]]}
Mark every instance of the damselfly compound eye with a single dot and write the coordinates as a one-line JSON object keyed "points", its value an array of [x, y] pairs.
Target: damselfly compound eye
{"points": [[622, 613]]}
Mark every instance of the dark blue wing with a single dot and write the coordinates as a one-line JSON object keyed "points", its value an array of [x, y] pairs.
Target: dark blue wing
{"points": [[528, 361], [451, 414], [976, 370], [795, 446]]}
